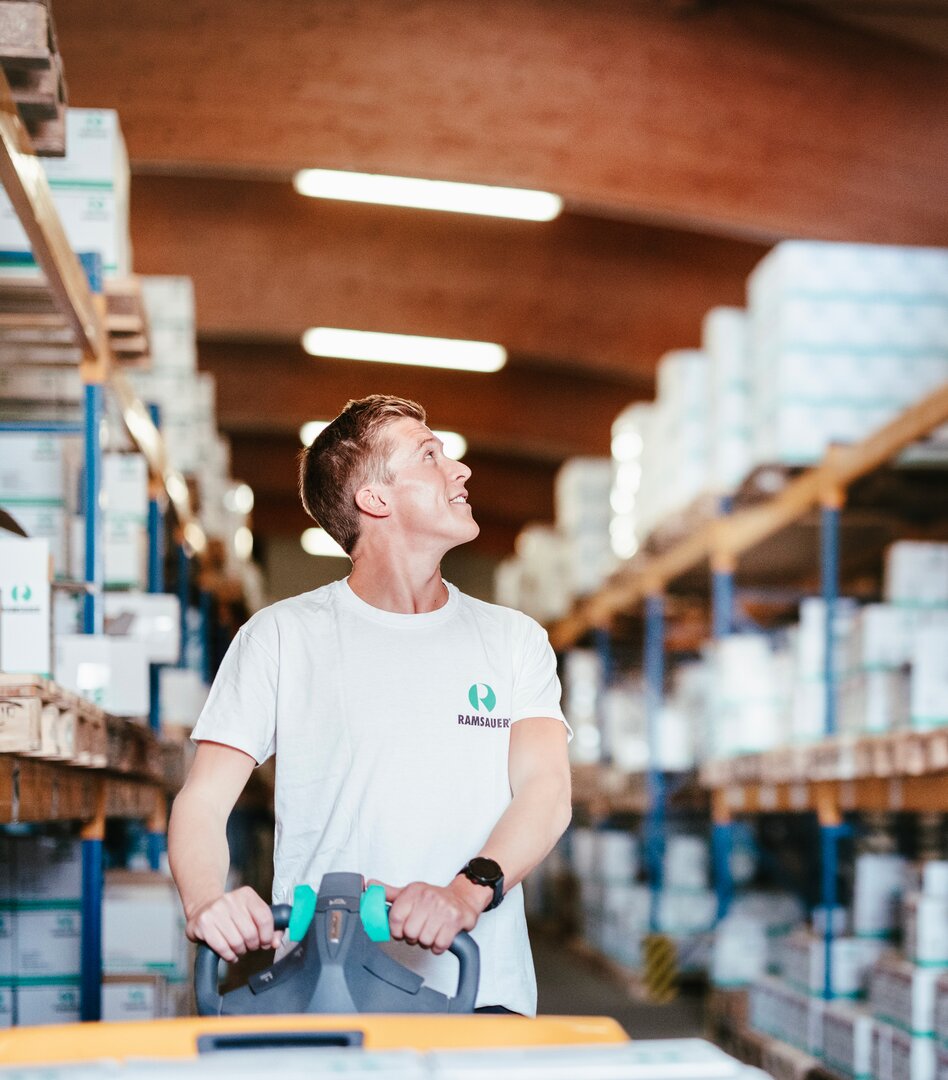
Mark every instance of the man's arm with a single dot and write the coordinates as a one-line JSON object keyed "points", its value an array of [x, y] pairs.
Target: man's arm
{"points": [[537, 816], [231, 923]]}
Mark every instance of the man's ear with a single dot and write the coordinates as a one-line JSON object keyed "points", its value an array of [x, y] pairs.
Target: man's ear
{"points": [[372, 500]]}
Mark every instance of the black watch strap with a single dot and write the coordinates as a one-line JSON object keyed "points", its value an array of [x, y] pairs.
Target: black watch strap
{"points": [[488, 873]]}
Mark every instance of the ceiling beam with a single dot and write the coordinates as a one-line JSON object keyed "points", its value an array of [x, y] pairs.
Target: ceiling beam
{"points": [[747, 118], [547, 414], [610, 296]]}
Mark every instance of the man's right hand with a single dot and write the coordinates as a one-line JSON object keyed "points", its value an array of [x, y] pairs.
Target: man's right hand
{"points": [[234, 923]]}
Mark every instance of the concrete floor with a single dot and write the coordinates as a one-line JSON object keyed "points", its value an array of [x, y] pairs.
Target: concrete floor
{"points": [[571, 985]]}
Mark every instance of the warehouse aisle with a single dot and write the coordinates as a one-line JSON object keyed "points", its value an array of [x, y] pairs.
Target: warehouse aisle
{"points": [[570, 985]]}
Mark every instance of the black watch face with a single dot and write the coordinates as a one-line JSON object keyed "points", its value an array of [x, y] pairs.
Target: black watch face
{"points": [[485, 868]]}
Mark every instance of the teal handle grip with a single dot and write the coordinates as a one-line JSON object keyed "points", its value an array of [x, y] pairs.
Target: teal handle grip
{"points": [[374, 912]]}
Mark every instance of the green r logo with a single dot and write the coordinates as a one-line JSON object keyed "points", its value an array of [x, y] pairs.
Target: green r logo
{"points": [[482, 694]]}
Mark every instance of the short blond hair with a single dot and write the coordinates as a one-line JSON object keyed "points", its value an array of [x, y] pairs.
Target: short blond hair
{"points": [[348, 453]]}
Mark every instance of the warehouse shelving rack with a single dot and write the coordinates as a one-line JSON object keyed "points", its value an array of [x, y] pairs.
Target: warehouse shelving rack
{"points": [[903, 771], [35, 791]]}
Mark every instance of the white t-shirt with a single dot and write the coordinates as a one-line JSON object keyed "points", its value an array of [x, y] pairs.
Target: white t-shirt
{"points": [[391, 735]]}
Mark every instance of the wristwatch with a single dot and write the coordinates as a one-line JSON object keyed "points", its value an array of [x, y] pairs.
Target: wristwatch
{"points": [[488, 873]]}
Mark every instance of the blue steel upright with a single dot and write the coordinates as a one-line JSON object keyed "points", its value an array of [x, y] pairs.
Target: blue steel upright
{"points": [[90, 979], [654, 695], [90, 962], [830, 515], [184, 596], [603, 642], [722, 622], [829, 581], [92, 618]]}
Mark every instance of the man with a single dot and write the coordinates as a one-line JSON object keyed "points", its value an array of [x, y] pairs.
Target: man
{"points": [[418, 734]]}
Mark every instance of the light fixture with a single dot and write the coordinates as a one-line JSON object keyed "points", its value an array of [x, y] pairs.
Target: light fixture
{"points": [[380, 348], [239, 499], [311, 429], [319, 542], [243, 543], [455, 445], [520, 203]]}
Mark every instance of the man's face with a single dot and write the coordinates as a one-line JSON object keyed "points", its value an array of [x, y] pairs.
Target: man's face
{"points": [[428, 496]]}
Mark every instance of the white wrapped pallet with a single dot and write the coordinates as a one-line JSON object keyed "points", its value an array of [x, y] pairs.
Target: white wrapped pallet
{"points": [[724, 340], [929, 681], [631, 430], [925, 929], [686, 863], [916, 573], [740, 951], [838, 351], [878, 886], [850, 963]]}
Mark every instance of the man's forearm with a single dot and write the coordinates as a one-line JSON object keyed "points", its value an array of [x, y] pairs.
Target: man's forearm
{"points": [[197, 852], [526, 832]]}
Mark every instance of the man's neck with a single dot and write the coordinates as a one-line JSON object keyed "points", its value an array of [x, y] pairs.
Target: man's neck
{"points": [[410, 590]]}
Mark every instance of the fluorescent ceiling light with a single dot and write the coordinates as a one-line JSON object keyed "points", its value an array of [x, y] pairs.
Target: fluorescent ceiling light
{"points": [[319, 542], [311, 429], [404, 349], [455, 445], [519, 203], [239, 499], [243, 543]]}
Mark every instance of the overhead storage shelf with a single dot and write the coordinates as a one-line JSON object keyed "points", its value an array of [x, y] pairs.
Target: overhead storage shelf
{"points": [[728, 541]]}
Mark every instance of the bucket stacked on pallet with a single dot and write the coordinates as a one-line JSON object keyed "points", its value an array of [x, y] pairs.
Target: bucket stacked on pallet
{"points": [[724, 341], [888, 1008], [842, 338], [904, 986], [894, 667], [675, 468], [617, 908]]}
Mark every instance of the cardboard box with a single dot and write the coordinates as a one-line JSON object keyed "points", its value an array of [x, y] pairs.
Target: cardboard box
{"points": [[48, 1003], [154, 619], [903, 994], [132, 902], [31, 468], [46, 521], [112, 672], [46, 943], [90, 190], [847, 1039], [46, 868], [24, 606], [133, 997]]}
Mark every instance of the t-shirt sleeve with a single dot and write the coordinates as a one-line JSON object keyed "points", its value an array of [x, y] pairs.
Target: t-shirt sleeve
{"points": [[537, 690], [241, 707]]}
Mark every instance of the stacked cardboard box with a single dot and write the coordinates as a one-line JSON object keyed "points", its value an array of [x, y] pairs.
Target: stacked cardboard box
{"points": [[90, 189], [40, 929]]}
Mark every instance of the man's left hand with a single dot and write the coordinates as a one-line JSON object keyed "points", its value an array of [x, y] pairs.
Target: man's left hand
{"points": [[433, 915]]}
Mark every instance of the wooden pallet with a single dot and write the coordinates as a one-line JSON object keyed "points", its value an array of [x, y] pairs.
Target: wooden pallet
{"points": [[33, 332], [29, 55]]}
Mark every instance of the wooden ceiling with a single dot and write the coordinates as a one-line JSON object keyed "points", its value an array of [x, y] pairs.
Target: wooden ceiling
{"points": [[686, 138]]}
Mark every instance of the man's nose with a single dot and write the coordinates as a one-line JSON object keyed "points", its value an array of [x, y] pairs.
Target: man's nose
{"points": [[463, 471]]}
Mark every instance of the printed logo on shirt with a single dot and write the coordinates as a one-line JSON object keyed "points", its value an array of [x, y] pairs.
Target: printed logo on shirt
{"points": [[482, 694], [482, 699]]}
